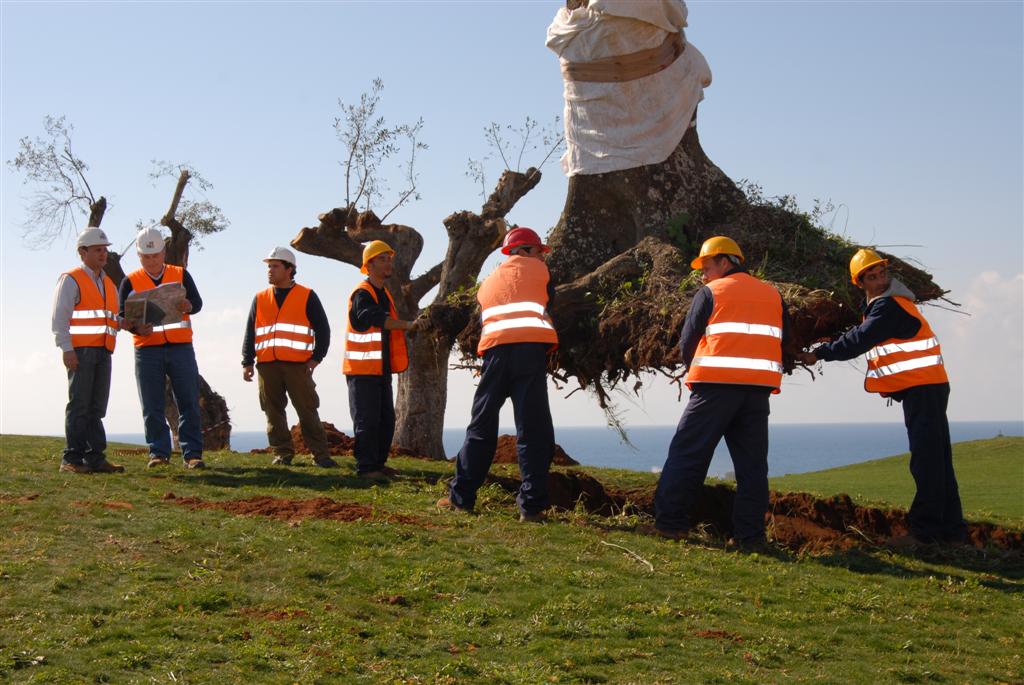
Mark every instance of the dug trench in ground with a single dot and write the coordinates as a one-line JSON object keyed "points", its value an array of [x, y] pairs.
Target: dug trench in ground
{"points": [[796, 521]]}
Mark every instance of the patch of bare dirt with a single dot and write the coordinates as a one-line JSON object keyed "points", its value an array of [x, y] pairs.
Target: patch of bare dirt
{"points": [[107, 504], [274, 614], [506, 453], [295, 510], [17, 499]]}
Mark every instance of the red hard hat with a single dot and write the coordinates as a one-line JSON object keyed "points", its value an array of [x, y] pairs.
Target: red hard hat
{"points": [[521, 236]]}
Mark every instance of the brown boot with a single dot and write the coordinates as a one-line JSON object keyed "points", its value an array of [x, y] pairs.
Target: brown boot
{"points": [[106, 467], [445, 504], [74, 468], [156, 462], [195, 464]]}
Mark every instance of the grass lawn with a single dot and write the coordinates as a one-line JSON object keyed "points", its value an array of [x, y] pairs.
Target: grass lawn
{"points": [[990, 474], [103, 579]]}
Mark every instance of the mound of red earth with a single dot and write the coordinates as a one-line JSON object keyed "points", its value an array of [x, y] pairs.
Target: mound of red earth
{"points": [[294, 510], [506, 453], [796, 521], [338, 444]]}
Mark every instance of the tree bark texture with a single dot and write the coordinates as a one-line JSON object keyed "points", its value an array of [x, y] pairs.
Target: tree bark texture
{"points": [[422, 390]]}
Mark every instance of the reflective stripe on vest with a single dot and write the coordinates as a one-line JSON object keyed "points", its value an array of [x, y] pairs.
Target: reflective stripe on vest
{"points": [[513, 305], [283, 333], [742, 342], [180, 332], [364, 351], [93, 321], [896, 365]]}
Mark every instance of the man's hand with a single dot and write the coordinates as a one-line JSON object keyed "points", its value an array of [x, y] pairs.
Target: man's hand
{"points": [[806, 358], [71, 360], [185, 306], [247, 372], [312, 364], [143, 329]]}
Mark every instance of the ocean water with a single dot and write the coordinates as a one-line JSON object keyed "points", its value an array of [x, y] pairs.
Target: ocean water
{"points": [[793, 448]]}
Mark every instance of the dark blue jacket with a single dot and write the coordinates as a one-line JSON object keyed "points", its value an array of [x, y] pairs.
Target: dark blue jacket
{"points": [[884, 318]]}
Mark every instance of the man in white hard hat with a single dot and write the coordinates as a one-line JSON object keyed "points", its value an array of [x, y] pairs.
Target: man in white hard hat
{"points": [[85, 326], [163, 352], [287, 335]]}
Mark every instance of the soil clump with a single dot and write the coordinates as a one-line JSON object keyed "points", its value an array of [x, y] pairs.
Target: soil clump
{"points": [[506, 453]]}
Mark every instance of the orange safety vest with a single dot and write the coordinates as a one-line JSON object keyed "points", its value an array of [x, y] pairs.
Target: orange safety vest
{"points": [[180, 332], [513, 305], [364, 350], [897, 364], [94, 319], [742, 343], [283, 333]]}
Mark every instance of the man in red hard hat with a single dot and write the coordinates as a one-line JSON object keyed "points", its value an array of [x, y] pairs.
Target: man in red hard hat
{"points": [[904, 362], [375, 348], [515, 341]]}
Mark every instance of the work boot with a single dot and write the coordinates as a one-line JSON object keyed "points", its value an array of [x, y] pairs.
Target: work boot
{"points": [[754, 546], [155, 462], [106, 467], [325, 462], [375, 476], [282, 461], [538, 517], [195, 463], [390, 472], [446, 504], [74, 468]]}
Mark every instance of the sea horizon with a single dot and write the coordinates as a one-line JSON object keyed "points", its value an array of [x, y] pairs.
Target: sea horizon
{"points": [[793, 447]]}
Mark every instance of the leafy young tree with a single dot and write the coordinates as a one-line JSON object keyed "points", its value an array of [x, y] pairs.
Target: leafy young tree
{"points": [[62, 191], [472, 237]]}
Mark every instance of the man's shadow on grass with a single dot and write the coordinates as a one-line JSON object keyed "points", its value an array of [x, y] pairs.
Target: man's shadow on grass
{"points": [[297, 478]]}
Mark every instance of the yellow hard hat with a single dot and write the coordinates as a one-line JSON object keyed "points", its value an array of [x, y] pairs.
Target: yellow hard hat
{"points": [[377, 247], [716, 245], [862, 261]]}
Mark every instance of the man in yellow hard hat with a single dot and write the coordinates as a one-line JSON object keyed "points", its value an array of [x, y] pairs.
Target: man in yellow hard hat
{"points": [[731, 345], [374, 349], [904, 362]]}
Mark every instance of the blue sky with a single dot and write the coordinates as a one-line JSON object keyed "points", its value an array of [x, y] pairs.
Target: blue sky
{"points": [[907, 115]]}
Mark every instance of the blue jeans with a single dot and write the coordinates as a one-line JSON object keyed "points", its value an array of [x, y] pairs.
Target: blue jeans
{"points": [[88, 391], [740, 414], [935, 514], [372, 407], [154, 364], [517, 371]]}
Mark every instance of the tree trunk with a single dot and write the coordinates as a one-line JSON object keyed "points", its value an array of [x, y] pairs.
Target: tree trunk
{"points": [[422, 390], [422, 397]]}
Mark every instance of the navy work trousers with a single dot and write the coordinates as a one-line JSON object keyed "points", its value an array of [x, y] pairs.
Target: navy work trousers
{"points": [[88, 392], [372, 407], [153, 365], [740, 414], [935, 514], [517, 371]]}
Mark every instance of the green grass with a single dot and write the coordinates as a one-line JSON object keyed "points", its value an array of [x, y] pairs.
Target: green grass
{"points": [[990, 475], [158, 593]]}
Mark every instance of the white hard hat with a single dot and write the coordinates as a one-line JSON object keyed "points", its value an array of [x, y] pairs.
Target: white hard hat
{"points": [[149, 241], [282, 254], [92, 236]]}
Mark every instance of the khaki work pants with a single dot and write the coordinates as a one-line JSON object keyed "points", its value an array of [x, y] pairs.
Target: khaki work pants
{"points": [[279, 382]]}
